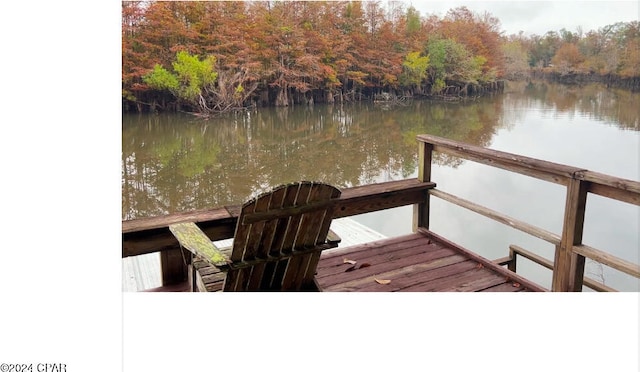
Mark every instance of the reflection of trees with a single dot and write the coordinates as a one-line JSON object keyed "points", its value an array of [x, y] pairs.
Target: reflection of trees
{"points": [[591, 100], [172, 163]]}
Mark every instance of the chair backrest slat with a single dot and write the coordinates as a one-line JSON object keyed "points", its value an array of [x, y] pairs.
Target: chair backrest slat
{"points": [[288, 219]]}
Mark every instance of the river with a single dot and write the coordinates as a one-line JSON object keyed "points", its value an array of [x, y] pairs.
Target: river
{"points": [[175, 162]]}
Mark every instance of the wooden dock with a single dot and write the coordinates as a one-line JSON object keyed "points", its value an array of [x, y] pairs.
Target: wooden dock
{"points": [[422, 261], [144, 272]]}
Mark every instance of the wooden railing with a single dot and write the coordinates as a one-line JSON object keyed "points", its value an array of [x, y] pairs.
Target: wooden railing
{"points": [[147, 235], [570, 253]]}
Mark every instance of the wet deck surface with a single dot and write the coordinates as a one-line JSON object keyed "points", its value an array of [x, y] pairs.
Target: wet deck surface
{"points": [[412, 263], [419, 262]]}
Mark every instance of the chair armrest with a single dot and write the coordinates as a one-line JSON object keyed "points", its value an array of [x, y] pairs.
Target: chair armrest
{"points": [[194, 240], [333, 239]]}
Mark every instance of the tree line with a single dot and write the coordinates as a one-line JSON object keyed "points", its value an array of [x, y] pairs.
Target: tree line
{"points": [[212, 57]]}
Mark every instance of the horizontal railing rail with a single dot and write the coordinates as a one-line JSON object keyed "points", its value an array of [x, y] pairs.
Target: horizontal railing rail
{"points": [[570, 253], [151, 234]]}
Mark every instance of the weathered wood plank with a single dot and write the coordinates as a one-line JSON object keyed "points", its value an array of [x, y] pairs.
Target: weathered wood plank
{"points": [[548, 171], [504, 287], [608, 259], [147, 235], [385, 195], [382, 268], [483, 279], [568, 271], [374, 255], [421, 210], [497, 216], [404, 271], [193, 239], [484, 261]]}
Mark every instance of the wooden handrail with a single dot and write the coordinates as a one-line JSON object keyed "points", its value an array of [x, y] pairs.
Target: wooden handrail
{"points": [[515, 250], [497, 216], [608, 259], [569, 262], [151, 234], [545, 170]]}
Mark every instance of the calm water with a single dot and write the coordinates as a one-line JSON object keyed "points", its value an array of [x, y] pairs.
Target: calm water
{"points": [[173, 163]]}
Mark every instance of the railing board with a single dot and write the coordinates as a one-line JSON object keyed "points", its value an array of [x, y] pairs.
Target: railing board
{"points": [[611, 181], [416, 252], [151, 234], [588, 282], [486, 262], [504, 287], [608, 259], [549, 171], [481, 280], [402, 272], [497, 216], [380, 267], [614, 193]]}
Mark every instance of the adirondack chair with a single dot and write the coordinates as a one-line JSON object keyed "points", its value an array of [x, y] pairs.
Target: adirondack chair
{"points": [[277, 243]]}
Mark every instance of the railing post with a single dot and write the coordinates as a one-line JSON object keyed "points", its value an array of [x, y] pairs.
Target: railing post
{"points": [[568, 270], [173, 267], [513, 256], [421, 211]]}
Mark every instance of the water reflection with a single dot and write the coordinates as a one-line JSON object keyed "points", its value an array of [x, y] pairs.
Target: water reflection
{"points": [[174, 163]]}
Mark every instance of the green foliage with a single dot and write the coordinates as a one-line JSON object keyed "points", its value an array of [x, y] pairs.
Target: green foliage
{"points": [[413, 20], [161, 79], [414, 69], [452, 61], [190, 77]]}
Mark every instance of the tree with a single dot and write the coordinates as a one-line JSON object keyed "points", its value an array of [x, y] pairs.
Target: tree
{"points": [[567, 58], [194, 82], [414, 69], [515, 60]]}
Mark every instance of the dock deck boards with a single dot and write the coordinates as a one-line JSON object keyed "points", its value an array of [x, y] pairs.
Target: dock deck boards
{"points": [[417, 262]]}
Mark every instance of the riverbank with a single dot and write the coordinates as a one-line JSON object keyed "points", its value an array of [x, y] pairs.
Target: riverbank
{"points": [[573, 78]]}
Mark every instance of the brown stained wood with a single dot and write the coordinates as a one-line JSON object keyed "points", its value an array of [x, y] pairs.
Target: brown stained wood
{"points": [[380, 257], [497, 216], [482, 279], [270, 227], [147, 235], [608, 259], [614, 193], [421, 210], [382, 267], [173, 267], [630, 186], [504, 287], [387, 243], [568, 271], [545, 170], [146, 224], [350, 285], [484, 261], [456, 276], [531, 256], [381, 196]]}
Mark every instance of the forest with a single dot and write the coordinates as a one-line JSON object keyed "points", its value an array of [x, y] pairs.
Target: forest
{"points": [[212, 57]]}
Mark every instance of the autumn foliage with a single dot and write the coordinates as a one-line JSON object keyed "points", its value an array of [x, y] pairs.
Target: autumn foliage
{"points": [[298, 52], [287, 52]]}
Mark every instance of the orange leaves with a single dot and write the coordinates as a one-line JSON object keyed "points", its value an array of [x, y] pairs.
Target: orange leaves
{"points": [[354, 264]]}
